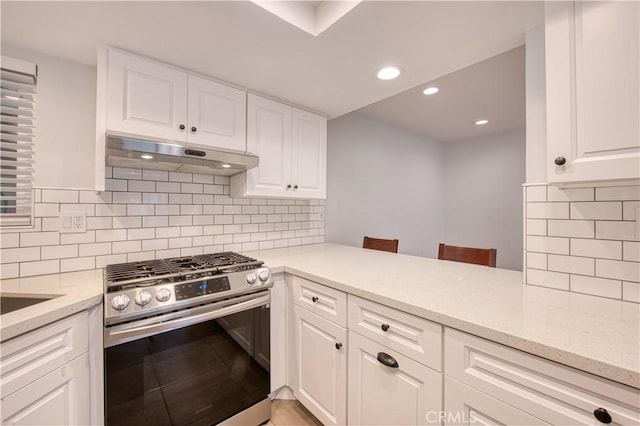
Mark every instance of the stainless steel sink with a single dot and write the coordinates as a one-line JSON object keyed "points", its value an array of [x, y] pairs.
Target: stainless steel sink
{"points": [[13, 302]]}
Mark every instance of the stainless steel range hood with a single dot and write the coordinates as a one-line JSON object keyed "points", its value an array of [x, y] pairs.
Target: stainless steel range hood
{"points": [[147, 154]]}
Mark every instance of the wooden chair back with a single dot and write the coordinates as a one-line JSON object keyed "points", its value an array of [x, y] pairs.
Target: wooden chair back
{"points": [[478, 256], [380, 244]]}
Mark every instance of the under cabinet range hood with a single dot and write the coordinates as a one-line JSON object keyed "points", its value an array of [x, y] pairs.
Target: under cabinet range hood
{"points": [[147, 154]]}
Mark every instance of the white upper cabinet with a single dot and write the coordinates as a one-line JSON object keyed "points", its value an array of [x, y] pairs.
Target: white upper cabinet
{"points": [[217, 115], [292, 146], [150, 99], [593, 91]]}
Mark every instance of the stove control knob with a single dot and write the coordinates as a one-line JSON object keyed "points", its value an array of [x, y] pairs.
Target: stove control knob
{"points": [[143, 298], [120, 302], [163, 294], [252, 277], [264, 275]]}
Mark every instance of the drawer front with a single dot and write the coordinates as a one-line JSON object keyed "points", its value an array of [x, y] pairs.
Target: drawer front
{"points": [[466, 406], [381, 394], [323, 301], [412, 336], [552, 392], [30, 356]]}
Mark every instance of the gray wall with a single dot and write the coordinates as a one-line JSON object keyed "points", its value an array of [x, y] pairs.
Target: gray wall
{"points": [[383, 181], [483, 195]]}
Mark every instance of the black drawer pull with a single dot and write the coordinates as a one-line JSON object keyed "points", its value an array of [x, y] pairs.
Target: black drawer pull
{"points": [[338, 346], [602, 415], [314, 299], [387, 360], [384, 327]]}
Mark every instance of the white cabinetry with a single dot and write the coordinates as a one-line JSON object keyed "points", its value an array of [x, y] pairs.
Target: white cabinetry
{"points": [[549, 392], [593, 90], [292, 146], [46, 375], [319, 354], [153, 100]]}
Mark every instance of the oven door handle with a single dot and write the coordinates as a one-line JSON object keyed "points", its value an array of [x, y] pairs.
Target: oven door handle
{"points": [[128, 332]]}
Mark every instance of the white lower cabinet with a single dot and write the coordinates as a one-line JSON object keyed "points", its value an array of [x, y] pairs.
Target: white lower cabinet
{"points": [[405, 393], [466, 406], [59, 398], [321, 359]]}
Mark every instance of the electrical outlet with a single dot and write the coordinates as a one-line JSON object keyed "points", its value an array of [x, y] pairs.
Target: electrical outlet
{"points": [[73, 222]]}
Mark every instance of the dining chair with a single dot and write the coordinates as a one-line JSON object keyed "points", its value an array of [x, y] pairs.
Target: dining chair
{"points": [[380, 244], [478, 256]]}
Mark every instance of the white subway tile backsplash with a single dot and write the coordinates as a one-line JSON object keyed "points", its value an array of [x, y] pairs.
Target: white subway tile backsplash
{"points": [[630, 210], [191, 251], [78, 238], [631, 292], [180, 177], [140, 210], [571, 228], [223, 239], [91, 197], [180, 220], [242, 238], [191, 188], [127, 197], [204, 240], [221, 180], [212, 229], [111, 210], [180, 242], [536, 260], [102, 261], [596, 248], [46, 210], [126, 246], [230, 209], [213, 189], [168, 232], [251, 246], [631, 251], [597, 210], [190, 209], [169, 187], [619, 270], [212, 209], [571, 264], [59, 196], [115, 185], [120, 222], [156, 175], [202, 179], [155, 198], [548, 279], [13, 255], [99, 222], [222, 199], [223, 219], [548, 244], [125, 173], [159, 244], [104, 235], [88, 209], [141, 233], [616, 230], [625, 193], [202, 199], [569, 194], [108, 172], [39, 239], [140, 256], [59, 252], [180, 198], [9, 240], [141, 186], [536, 227], [190, 231], [77, 264], [9, 270], [232, 229], [596, 286], [94, 249], [167, 210], [203, 220], [42, 267], [155, 221]]}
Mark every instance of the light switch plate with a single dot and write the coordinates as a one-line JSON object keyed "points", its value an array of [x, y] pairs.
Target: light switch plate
{"points": [[73, 222]]}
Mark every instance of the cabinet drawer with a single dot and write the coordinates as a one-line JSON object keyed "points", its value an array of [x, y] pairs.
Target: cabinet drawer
{"points": [[412, 336], [323, 301], [381, 394], [466, 406], [552, 392], [30, 356]]}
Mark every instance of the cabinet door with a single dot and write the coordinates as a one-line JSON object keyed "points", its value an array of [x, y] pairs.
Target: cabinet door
{"points": [[466, 406], [593, 91], [58, 398], [309, 151], [269, 137], [146, 98], [218, 115], [382, 395], [321, 357]]}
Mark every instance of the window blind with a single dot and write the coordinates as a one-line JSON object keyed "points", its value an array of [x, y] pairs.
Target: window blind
{"points": [[17, 103]]}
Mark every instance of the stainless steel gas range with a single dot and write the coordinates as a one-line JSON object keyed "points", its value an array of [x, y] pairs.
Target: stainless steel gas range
{"points": [[187, 341]]}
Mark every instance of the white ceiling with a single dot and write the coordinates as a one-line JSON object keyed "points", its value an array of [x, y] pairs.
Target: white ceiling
{"points": [[493, 89], [244, 44]]}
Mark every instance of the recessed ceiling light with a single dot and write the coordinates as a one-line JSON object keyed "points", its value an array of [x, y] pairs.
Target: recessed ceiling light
{"points": [[430, 90], [226, 166], [146, 156], [388, 73], [481, 122]]}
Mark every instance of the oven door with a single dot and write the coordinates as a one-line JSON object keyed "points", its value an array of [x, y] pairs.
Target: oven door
{"points": [[200, 366]]}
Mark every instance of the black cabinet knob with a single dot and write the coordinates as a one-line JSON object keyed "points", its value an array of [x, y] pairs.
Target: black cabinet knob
{"points": [[560, 161], [295, 186], [338, 346], [314, 299], [387, 360], [384, 327], [182, 127], [602, 415], [289, 186], [194, 129]]}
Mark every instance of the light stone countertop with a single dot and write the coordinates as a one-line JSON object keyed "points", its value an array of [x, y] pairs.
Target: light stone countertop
{"points": [[78, 291], [593, 334]]}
